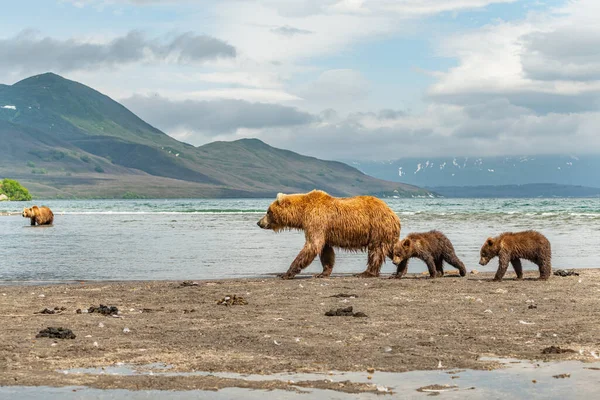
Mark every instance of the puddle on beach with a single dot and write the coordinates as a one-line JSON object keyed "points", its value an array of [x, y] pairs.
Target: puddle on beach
{"points": [[517, 379]]}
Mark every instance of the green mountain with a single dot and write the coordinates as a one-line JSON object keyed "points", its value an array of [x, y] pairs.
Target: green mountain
{"points": [[63, 139]]}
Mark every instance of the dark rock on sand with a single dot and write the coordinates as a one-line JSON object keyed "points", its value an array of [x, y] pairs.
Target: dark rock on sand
{"points": [[56, 333], [232, 301], [104, 310], [345, 312]]}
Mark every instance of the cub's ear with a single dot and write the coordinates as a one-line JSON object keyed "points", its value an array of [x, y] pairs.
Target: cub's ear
{"points": [[406, 243], [489, 241], [280, 197]]}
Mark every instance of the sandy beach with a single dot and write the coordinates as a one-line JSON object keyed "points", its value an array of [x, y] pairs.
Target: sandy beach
{"points": [[410, 324]]}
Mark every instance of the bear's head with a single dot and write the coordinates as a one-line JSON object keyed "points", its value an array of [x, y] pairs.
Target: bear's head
{"points": [[403, 250], [28, 213], [488, 251], [284, 213]]}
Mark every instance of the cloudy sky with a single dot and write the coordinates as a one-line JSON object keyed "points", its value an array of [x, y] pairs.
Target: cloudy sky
{"points": [[338, 79]]}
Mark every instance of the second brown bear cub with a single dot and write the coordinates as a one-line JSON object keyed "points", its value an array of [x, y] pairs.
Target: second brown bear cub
{"points": [[511, 247], [432, 247]]}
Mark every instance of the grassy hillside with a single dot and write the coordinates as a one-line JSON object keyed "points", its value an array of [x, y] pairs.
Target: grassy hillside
{"points": [[64, 139]]}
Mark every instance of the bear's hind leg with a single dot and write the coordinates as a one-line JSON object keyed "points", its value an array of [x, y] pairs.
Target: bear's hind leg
{"points": [[453, 260], [516, 263], [327, 257], [376, 258], [302, 260], [545, 266]]}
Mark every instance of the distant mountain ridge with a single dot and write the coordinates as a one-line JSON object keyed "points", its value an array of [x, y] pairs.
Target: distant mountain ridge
{"points": [[530, 190], [488, 171], [61, 138]]}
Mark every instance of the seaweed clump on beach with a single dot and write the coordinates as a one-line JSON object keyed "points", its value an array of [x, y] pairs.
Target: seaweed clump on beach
{"points": [[56, 310], [564, 272], [556, 350], [188, 283], [56, 333], [232, 301], [345, 312], [104, 310]]}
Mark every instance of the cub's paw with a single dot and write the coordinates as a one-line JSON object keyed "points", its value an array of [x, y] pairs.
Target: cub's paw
{"points": [[366, 275]]}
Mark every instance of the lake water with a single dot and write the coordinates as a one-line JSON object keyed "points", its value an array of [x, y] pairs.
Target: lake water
{"points": [[213, 239]]}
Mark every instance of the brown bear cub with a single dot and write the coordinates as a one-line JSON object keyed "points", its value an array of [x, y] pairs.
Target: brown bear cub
{"points": [[40, 215], [353, 223], [511, 247], [432, 247]]}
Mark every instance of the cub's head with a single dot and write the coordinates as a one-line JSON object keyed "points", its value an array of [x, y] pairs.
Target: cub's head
{"points": [[488, 251], [282, 214], [28, 213], [403, 250]]}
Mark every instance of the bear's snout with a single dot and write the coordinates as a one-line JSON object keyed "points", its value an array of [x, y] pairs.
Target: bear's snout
{"points": [[263, 223], [396, 260], [483, 261]]}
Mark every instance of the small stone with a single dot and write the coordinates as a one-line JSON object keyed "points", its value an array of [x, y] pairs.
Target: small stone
{"points": [[126, 330]]}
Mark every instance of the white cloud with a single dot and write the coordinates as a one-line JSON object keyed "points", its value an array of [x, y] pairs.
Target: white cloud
{"points": [[539, 63]]}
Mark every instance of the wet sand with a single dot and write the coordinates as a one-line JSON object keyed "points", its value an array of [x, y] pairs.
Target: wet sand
{"points": [[410, 324]]}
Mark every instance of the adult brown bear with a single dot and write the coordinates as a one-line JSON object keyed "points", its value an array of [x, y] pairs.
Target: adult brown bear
{"points": [[40, 215], [511, 247], [353, 223]]}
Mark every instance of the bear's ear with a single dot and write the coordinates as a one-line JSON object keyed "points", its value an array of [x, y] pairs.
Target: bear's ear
{"points": [[280, 197], [489, 241], [406, 243]]}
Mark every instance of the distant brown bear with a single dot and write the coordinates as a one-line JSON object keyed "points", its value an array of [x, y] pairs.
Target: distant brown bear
{"points": [[511, 247], [432, 247], [40, 215], [354, 223]]}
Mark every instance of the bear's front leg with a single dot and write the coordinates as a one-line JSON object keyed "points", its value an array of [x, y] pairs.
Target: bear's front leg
{"points": [[502, 267], [516, 263], [32, 221], [400, 270], [327, 257], [302, 260], [376, 257], [430, 266]]}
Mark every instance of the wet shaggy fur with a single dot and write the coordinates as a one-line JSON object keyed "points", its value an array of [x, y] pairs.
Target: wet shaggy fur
{"points": [[511, 247], [40, 215], [354, 223], [432, 247]]}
